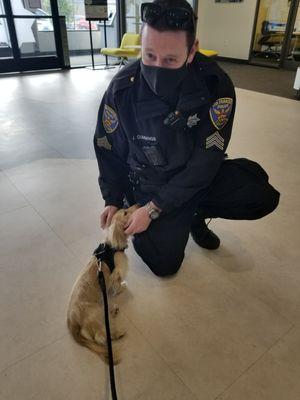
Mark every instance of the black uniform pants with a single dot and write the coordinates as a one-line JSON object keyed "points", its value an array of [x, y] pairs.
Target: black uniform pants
{"points": [[239, 191]]}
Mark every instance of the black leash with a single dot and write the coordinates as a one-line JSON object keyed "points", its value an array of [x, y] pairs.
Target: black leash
{"points": [[101, 281], [105, 253]]}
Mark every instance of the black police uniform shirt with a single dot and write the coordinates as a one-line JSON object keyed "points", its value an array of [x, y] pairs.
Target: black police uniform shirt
{"points": [[168, 149]]}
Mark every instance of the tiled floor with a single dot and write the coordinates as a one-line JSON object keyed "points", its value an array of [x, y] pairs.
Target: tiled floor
{"points": [[227, 327]]}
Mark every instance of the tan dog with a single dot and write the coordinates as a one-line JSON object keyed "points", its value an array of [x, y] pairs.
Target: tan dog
{"points": [[85, 316]]}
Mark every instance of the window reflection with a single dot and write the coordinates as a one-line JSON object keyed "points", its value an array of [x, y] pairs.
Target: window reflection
{"points": [[33, 39], [5, 43]]}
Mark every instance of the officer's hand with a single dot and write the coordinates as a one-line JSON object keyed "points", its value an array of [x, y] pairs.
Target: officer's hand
{"points": [[138, 222], [106, 216]]}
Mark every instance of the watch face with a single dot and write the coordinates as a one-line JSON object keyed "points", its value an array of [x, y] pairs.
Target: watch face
{"points": [[154, 214]]}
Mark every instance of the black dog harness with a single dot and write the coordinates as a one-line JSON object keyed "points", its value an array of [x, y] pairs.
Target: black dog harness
{"points": [[104, 252]]}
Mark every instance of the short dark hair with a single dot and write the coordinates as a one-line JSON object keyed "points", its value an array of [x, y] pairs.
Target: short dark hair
{"points": [[162, 26]]}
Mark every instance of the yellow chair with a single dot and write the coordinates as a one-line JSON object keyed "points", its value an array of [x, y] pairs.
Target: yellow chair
{"points": [[130, 47], [208, 53]]}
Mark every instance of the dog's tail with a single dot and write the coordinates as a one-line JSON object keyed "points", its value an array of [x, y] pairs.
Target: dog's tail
{"points": [[99, 348]]}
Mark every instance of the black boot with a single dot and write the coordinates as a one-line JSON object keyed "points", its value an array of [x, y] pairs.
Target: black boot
{"points": [[203, 236]]}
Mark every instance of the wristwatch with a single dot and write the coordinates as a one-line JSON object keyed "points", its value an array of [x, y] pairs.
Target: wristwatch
{"points": [[152, 212]]}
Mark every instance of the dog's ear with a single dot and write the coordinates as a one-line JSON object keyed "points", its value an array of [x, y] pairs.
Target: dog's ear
{"points": [[116, 236]]}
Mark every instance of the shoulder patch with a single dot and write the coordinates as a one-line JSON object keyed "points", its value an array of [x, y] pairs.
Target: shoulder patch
{"points": [[103, 142], [220, 112], [109, 119]]}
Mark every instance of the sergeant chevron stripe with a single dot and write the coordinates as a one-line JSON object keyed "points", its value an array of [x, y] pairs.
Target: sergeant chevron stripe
{"points": [[215, 140]]}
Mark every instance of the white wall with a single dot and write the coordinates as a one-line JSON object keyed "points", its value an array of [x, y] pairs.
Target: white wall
{"points": [[227, 27]]}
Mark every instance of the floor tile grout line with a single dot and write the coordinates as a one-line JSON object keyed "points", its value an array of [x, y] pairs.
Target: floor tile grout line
{"points": [[56, 234], [14, 209], [32, 354], [43, 218], [257, 298], [255, 362], [273, 310], [52, 148], [70, 251], [276, 312], [34, 208], [4, 171], [18, 190], [162, 359]]}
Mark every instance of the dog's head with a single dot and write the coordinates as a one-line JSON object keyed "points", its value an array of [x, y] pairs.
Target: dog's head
{"points": [[116, 236]]}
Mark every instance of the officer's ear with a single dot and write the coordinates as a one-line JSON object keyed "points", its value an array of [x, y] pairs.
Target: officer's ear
{"points": [[193, 51]]}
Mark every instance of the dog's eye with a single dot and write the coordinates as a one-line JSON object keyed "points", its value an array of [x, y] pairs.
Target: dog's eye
{"points": [[125, 212]]}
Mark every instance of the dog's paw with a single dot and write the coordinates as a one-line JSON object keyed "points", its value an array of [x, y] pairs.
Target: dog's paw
{"points": [[100, 338], [118, 333], [116, 284]]}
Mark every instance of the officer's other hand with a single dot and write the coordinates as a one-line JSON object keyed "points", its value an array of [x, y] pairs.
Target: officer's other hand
{"points": [[138, 222], [106, 216]]}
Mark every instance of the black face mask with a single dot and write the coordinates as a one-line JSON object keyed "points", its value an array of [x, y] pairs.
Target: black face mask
{"points": [[164, 81]]}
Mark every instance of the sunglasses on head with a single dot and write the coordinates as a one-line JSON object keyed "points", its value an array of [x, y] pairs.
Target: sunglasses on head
{"points": [[175, 17]]}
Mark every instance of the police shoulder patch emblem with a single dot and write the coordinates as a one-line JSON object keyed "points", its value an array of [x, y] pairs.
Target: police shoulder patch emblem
{"points": [[220, 112], [109, 119]]}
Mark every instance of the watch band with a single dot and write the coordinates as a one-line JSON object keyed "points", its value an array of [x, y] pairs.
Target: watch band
{"points": [[152, 211]]}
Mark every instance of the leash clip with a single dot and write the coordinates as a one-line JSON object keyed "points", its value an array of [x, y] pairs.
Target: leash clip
{"points": [[99, 265], [99, 254]]}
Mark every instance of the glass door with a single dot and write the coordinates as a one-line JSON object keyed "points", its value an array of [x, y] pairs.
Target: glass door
{"points": [[133, 11], [276, 35], [6, 53], [29, 35], [133, 19], [271, 25], [78, 32]]}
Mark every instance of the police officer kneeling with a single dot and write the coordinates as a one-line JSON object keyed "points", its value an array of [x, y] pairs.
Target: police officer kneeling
{"points": [[163, 128]]}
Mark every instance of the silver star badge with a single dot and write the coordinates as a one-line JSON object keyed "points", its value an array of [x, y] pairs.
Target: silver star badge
{"points": [[192, 120]]}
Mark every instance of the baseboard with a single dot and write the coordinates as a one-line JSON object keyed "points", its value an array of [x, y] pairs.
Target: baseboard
{"points": [[83, 52], [232, 60]]}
